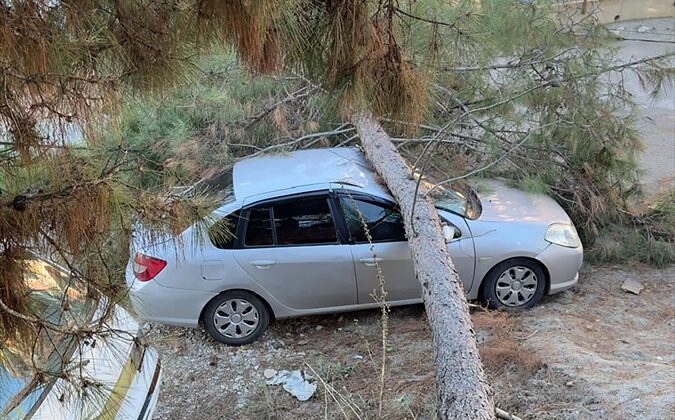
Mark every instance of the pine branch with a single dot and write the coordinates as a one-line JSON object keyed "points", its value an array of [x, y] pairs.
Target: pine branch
{"points": [[433, 21], [494, 162]]}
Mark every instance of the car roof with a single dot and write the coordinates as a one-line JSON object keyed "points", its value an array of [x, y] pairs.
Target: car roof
{"points": [[340, 165]]}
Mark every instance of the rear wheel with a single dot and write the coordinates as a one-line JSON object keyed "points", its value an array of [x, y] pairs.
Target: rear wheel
{"points": [[236, 318], [518, 283]]}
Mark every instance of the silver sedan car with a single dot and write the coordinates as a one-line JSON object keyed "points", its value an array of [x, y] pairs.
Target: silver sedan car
{"points": [[299, 246]]}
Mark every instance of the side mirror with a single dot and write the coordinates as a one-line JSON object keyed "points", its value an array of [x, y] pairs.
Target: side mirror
{"points": [[450, 232]]}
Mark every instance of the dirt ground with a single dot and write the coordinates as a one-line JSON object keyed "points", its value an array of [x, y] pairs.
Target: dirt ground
{"points": [[592, 352]]}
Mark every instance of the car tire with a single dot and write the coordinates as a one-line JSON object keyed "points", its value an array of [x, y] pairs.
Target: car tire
{"points": [[236, 318], [518, 283]]}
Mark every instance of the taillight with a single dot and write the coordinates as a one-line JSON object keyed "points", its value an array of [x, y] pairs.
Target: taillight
{"points": [[147, 267]]}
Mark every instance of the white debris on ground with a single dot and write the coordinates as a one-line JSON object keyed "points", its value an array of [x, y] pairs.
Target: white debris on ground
{"points": [[294, 383]]}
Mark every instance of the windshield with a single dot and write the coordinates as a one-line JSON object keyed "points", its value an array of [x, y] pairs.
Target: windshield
{"points": [[61, 300], [458, 198]]}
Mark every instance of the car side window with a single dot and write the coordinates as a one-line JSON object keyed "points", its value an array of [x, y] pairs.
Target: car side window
{"points": [[453, 233], [384, 223], [259, 227], [222, 233], [304, 221]]}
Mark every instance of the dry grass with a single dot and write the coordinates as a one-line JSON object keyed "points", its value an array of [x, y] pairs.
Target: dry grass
{"points": [[501, 351], [349, 387]]}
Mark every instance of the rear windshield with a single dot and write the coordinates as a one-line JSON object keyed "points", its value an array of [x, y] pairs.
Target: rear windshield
{"points": [[56, 297]]}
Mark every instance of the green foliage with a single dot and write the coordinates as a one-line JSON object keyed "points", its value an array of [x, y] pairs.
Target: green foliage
{"points": [[197, 130], [541, 95], [618, 246], [579, 145]]}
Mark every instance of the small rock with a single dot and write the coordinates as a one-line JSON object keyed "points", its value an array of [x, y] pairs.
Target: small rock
{"points": [[269, 373], [357, 357], [570, 383], [659, 358], [319, 327], [213, 360], [632, 286], [589, 327], [340, 318], [303, 342], [180, 348], [277, 344]]}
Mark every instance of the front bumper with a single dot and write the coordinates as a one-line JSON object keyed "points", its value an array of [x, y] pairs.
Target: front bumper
{"points": [[563, 266]]}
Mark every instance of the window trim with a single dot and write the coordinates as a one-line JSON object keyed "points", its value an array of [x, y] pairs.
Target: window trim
{"points": [[240, 241]]}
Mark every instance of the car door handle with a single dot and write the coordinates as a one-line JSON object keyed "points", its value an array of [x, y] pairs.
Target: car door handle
{"points": [[371, 261], [263, 264]]}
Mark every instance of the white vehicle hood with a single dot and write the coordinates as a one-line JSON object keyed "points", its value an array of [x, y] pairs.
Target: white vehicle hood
{"points": [[101, 363]]}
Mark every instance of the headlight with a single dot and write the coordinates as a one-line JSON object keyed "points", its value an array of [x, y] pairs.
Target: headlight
{"points": [[563, 234]]}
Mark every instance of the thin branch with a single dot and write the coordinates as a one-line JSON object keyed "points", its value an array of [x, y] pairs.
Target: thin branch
{"points": [[634, 63], [510, 65], [657, 41], [494, 162], [432, 21], [300, 93]]}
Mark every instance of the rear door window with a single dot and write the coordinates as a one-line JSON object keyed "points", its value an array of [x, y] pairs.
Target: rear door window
{"points": [[301, 221], [223, 232], [304, 221], [259, 228]]}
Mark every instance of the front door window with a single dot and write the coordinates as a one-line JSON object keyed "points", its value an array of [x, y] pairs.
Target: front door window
{"points": [[383, 223]]}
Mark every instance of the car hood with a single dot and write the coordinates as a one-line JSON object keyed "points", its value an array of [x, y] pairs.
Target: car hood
{"points": [[502, 203]]}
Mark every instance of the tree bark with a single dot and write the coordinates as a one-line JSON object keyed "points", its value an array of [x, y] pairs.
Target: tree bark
{"points": [[461, 386]]}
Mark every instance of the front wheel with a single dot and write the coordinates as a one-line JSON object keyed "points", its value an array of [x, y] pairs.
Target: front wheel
{"points": [[236, 318], [518, 283]]}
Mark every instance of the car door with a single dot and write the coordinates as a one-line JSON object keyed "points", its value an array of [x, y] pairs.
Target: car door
{"points": [[291, 248], [461, 247], [390, 249]]}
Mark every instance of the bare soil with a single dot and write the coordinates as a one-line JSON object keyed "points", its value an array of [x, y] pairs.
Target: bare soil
{"points": [[595, 351]]}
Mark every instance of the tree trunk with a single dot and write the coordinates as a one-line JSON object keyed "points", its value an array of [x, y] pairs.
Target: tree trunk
{"points": [[461, 387]]}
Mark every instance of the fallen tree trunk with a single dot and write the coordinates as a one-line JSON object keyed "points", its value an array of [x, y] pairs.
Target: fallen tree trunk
{"points": [[461, 386]]}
